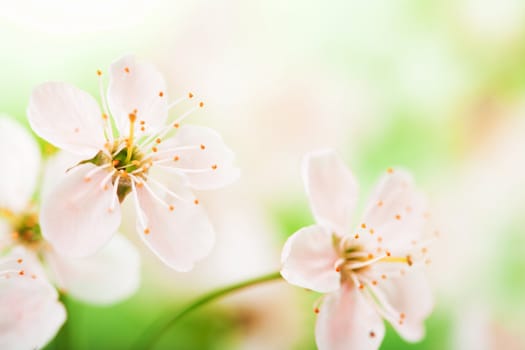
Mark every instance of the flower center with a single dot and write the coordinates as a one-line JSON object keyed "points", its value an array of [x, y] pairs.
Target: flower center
{"points": [[26, 230]]}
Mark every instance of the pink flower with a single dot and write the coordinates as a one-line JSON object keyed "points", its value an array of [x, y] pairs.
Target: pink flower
{"points": [[31, 312], [27, 298], [123, 152], [370, 273]]}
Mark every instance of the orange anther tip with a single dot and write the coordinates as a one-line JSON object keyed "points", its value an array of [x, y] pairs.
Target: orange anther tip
{"points": [[383, 277], [380, 203], [87, 179], [374, 282], [338, 269], [371, 231], [398, 217], [176, 125], [190, 95], [203, 147], [176, 158], [142, 128], [316, 310], [154, 149], [356, 236], [372, 334], [126, 69], [201, 104], [171, 207], [33, 277], [161, 94], [370, 256], [363, 225], [158, 140], [390, 170], [196, 201], [99, 72], [21, 273], [146, 231], [361, 286]]}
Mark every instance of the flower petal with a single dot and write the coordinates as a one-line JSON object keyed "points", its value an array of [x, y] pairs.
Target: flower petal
{"points": [[67, 117], [179, 237], [107, 277], [408, 301], [347, 321], [140, 89], [20, 157], [75, 216], [31, 313], [200, 154], [396, 211], [331, 188], [308, 260]]}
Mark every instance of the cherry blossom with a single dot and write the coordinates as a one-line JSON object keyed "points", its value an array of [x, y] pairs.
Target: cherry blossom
{"points": [[129, 147], [28, 264], [370, 273]]}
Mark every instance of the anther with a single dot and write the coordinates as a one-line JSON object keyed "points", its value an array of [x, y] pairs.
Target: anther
{"points": [[158, 140], [361, 286], [356, 236], [161, 94], [142, 122], [409, 260], [19, 261], [196, 202], [316, 310], [374, 282], [214, 166], [99, 72], [171, 207], [116, 162], [33, 277], [372, 334], [388, 253], [383, 277], [190, 95], [201, 104], [203, 147], [380, 203], [379, 239], [142, 128], [390, 170], [370, 256], [21, 273], [371, 231], [77, 130], [363, 225], [154, 149], [402, 315], [146, 231], [176, 125], [398, 217], [176, 158], [126, 69]]}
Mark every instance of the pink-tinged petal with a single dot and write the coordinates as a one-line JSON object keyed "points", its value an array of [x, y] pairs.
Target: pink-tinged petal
{"points": [[200, 154], [309, 258], [67, 117], [56, 170], [407, 301], [331, 188], [107, 277], [137, 88], [347, 320], [76, 217], [20, 157], [396, 211], [180, 236], [31, 313]]}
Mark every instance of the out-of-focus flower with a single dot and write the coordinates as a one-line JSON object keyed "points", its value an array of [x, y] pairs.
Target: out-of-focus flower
{"points": [[120, 156], [31, 312], [374, 272], [109, 276]]}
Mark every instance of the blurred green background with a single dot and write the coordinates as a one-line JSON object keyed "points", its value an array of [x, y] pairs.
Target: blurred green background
{"points": [[434, 86]]}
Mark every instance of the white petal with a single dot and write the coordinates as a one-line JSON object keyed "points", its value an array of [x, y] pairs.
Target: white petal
{"points": [[308, 260], [347, 321], [75, 216], [31, 313], [20, 157], [208, 160], [107, 277], [67, 117], [396, 211], [411, 296], [137, 86], [56, 170], [180, 237], [331, 188]]}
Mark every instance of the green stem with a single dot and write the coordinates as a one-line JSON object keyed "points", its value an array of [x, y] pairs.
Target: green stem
{"points": [[159, 327]]}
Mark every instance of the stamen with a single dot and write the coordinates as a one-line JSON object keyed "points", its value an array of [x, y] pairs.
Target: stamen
{"points": [[92, 172], [166, 190], [153, 194], [140, 213], [115, 196], [108, 132], [132, 118]]}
